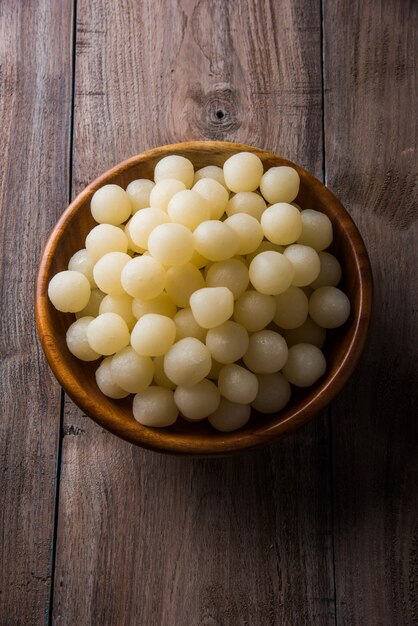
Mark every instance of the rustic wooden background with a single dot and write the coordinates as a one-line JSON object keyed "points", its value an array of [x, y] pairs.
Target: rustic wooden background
{"points": [[320, 529]]}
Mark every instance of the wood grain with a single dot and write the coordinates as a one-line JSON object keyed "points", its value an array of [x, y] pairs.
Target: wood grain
{"points": [[371, 162], [145, 539], [35, 108]]}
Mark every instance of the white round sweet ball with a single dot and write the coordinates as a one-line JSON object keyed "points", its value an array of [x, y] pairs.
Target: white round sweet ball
{"points": [[105, 238], [139, 192], [120, 304], [281, 223], [254, 310], [243, 171], [160, 377], [175, 166], [309, 332], [280, 184], [162, 304], [237, 384], [163, 192], [329, 273], [108, 333], [106, 383], [198, 260], [110, 205], [271, 272], [187, 326], [171, 244], [228, 342], [267, 352], [93, 305], [305, 365], [107, 272], [69, 291], [155, 407], [291, 308], [273, 393], [187, 362], [153, 334], [230, 416], [316, 229], [76, 339], [131, 245], [143, 223], [181, 282], [232, 274], [215, 240], [212, 306], [215, 195], [264, 246], [131, 371], [82, 262], [143, 277], [329, 307], [210, 171], [198, 401], [305, 262], [248, 202], [188, 208], [249, 231]]}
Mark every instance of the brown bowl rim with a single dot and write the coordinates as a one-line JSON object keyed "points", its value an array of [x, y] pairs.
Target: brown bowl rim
{"points": [[240, 440]]}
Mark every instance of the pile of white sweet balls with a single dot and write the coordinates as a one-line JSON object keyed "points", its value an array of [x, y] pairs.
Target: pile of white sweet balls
{"points": [[203, 302]]}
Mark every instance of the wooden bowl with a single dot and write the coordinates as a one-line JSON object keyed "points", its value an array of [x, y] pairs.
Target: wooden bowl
{"points": [[342, 348]]}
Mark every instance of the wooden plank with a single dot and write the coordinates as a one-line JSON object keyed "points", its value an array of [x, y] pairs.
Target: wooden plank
{"points": [[150, 539], [35, 108], [371, 163]]}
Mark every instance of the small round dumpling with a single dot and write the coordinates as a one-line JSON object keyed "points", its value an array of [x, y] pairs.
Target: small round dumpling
{"points": [[271, 273], [316, 230], [139, 193], [215, 195], [273, 393], [230, 416], [162, 304], [237, 384], [131, 244], [198, 260], [281, 223], [163, 192], [232, 274], [106, 383], [280, 184], [153, 334], [181, 282], [198, 401], [305, 262], [108, 333], [131, 371], [267, 352], [143, 277], [254, 310], [120, 304], [228, 342], [249, 231], [77, 343], [175, 166], [329, 273], [110, 205], [186, 326], [212, 306], [215, 240], [305, 364], [309, 332], [107, 272], [248, 202], [188, 208], [210, 171], [155, 407], [243, 172], [93, 305], [69, 291], [160, 377], [82, 262], [187, 362], [143, 223], [171, 244], [329, 307], [105, 238], [291, 308], [265, 246]]}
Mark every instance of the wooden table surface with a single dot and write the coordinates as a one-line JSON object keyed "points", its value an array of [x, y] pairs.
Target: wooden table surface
{"points": [[319, 529]]}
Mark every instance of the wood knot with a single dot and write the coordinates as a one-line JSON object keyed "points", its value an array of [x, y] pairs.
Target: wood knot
{"points": [[218, 112]]}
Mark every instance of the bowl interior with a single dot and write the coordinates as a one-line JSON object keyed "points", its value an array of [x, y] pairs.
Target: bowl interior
{"points": [[342, 348]]}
